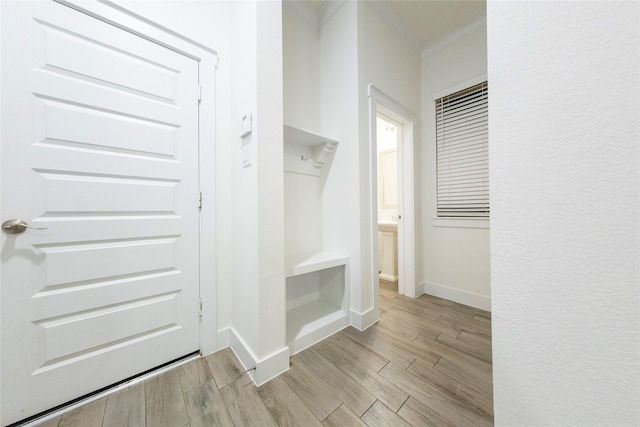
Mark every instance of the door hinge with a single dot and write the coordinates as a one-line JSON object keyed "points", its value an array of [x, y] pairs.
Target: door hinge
{"points": [[200, 200], [199, 92], [200, 307]]}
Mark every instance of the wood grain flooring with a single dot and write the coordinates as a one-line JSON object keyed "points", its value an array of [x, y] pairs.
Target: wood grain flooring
{"points": [[426, 363]]}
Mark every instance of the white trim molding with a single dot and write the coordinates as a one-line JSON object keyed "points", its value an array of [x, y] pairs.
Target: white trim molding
{"points": [[461, 222], [262, 370], [115, 14], [223, 339], [362, 321], [391, 18], [327, 10], [457, 295], [461, 86], [383, 103], [452, 36], [303, 10]]}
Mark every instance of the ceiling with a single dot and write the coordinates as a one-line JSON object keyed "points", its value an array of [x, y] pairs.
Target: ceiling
{"points": [[421, 22], [428, 21]]}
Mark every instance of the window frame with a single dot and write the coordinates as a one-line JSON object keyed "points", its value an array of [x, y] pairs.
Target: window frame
{"points": [[441, 220]]}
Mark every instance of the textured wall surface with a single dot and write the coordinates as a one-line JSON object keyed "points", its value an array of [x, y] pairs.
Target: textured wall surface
{"points": [[564, 166]]}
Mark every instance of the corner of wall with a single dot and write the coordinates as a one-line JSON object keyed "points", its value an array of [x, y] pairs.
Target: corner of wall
{"points": [[262, 370], [362, 321], [223, 338], [454, 35]]}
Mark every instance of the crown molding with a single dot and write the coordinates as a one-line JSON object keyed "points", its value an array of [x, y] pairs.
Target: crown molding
{"points": [[386, 13], [328, 9], [452, 36], [303, 10]]}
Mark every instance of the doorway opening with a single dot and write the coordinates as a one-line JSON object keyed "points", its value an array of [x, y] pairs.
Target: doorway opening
{"points": [[389, 140], [396, 119]]}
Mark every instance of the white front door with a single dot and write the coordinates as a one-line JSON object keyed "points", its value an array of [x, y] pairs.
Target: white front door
{"points": [[99, 145]]}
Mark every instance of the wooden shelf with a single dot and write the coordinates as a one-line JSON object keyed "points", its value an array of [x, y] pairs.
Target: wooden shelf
{"points": [[295, 265]]}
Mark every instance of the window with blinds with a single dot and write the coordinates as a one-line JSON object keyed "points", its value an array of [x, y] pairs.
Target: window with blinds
{"points": [[463, 153]]}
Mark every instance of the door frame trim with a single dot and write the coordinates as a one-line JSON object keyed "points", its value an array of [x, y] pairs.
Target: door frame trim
{"points": [[379, 102], [207, 58]]}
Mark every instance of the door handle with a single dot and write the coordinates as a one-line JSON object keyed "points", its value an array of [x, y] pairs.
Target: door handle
{"points": [[17, 226]]}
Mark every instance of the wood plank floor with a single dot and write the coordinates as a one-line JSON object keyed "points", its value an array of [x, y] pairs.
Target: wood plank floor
{"points": [[426, 363]]}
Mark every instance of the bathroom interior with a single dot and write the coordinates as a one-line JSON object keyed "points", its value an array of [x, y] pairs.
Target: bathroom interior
{"points": [[388, 140]]}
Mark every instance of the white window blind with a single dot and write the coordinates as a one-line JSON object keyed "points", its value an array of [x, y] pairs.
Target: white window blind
{"points": [[463, 153]]}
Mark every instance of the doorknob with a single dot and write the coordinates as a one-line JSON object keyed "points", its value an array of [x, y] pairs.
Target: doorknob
{"points": [[17, 226]]}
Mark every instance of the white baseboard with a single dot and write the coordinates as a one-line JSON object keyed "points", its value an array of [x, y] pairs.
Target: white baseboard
{"points": [[266, 368], [362, 321], [241, 350], [457, 295], [223, 338], [272, 366]]}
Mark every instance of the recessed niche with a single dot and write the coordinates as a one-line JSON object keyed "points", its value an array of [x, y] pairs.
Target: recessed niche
{"points": [[317, 280]]}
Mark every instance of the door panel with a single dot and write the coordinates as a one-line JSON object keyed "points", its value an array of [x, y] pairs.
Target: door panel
{"points": [[72, 127], [99, 145]]}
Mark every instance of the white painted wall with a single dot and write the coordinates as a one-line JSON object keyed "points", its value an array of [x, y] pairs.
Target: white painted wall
{"points": [[1, 211], [244, 181], [258, 294], [387, 61], [301, 87], [455, 260], [301, 66], [269, 118], [303, 226], [339, 111], [564, 165]]}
